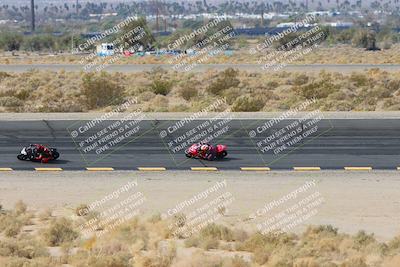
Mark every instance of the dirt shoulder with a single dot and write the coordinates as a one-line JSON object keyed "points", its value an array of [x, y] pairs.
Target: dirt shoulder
{"points": [[351, 201]]}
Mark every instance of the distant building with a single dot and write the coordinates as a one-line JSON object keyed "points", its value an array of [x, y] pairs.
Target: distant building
{"points": [[105, 49], [339, 24]]}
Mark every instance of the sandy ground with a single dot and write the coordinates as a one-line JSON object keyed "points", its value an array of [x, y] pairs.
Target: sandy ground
{"points": [[352, 201], [182, 115]]}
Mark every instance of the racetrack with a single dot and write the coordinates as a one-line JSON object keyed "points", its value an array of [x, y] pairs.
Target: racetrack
{"points": [[126, 68], [336, 144]]}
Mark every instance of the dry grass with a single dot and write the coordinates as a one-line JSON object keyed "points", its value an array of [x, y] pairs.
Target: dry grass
{"points": [[168, 91]]}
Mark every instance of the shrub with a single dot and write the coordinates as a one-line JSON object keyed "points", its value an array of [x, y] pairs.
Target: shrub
{"points": [[267, 241], [11, 41], [20, 207], [359, 79], [300, 79], [393, 85], [188, 92], [22, 94], [247, 104], [7, 219], [238, 262], [40, 42], [261, 255], [394, 243], [45, 215], [59, 232], [365, 39], [23, 248], [82, 210], [322, 230], [362, 239], [355, 262], [4, 75], [192, 242], [119, 259], [10, 101], [226, 79], [316, 90], [254, 242], [161, 87], [219, 232], [209, 243], [386, 44], [101, 90], [13, 229]]}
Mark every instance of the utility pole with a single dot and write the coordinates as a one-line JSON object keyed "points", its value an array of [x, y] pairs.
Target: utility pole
{"points": [[157, 18], [33, 16], [77, 7], [262, 17]]}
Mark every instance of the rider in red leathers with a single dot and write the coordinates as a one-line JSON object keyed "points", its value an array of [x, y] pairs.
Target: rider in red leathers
{"points": [[43, 154], [206, 151]]}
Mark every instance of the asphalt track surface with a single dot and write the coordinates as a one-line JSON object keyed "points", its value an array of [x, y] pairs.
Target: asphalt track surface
{"points": [[200, 68], [336, 144]]}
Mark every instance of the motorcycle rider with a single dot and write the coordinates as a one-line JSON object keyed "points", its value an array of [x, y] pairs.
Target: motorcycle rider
{"points": [[43, 154], [206, 151]]}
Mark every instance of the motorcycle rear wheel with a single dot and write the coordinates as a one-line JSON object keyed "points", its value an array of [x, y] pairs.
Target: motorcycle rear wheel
{"points": [[22, 157]]}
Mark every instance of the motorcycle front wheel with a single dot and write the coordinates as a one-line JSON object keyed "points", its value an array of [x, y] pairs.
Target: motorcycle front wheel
{"points": [[56, 155], [222, 155]]}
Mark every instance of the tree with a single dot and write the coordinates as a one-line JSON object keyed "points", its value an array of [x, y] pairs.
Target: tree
{"points": [[365, 39], [40, 42], [128, 34], [10, 41]]}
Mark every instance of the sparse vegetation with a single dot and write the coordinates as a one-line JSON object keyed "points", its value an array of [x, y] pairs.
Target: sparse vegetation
{"points": [[59, 232], [149, 241], [34, 91]]}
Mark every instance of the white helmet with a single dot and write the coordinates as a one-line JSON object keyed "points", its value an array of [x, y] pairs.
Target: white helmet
{"points": [[204, 148]]}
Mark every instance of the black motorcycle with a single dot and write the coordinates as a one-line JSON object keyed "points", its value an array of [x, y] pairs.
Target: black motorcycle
{"points": [[30, 153]]}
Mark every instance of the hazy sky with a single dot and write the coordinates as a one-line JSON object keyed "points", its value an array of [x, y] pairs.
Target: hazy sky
{"points": [[60, 2]]}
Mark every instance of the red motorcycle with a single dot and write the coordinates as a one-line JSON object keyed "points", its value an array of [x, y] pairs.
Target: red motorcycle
{"points": [[216, 152], [30, 153]]}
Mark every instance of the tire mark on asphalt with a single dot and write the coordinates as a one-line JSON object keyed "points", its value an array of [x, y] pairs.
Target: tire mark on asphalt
{"points": [[51, 129]]}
